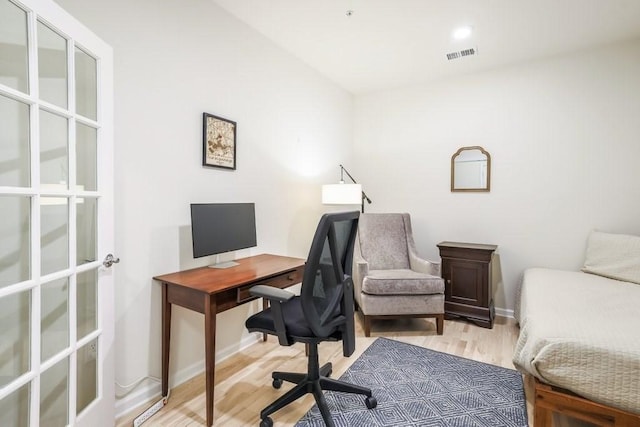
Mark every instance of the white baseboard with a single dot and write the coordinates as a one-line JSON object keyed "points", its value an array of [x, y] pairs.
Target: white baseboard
{"points": [[153, 391], [503, 312]]}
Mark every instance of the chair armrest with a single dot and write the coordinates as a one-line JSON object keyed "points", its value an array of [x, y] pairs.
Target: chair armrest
{"points": [[424, 266], [276, 297], [417, 263], [360, 269], [349, 328], [271, 293]]}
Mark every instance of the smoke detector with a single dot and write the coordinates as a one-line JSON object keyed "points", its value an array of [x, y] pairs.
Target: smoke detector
{"points": [[462, 53]]}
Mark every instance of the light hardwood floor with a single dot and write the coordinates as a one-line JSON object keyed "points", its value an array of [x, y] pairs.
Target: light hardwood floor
{"points": [[243, 381]]}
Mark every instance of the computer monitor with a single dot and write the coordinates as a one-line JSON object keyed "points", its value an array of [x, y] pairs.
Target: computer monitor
{"points": [[222, 227]]}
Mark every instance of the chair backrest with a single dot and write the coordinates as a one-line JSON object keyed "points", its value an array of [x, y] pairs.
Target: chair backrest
{"points": [[327, 287], [383, 240]]}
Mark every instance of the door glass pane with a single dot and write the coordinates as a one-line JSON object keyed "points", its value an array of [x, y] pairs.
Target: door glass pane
{"points": [[86, 157], [54, 152], [54, 326], [52, 66], [14, 141], [54, 240], [13, 46], [15, 234], [86, 85], [86, 290], [16, 334], [86, 230], [87, 375], [54, 395], [14, 409]]}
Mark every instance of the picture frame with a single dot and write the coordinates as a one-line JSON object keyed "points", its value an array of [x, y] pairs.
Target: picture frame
{"points": [[218, 142]]}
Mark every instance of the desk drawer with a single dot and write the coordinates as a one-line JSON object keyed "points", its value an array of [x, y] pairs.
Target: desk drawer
{"points": [[285, 280]]}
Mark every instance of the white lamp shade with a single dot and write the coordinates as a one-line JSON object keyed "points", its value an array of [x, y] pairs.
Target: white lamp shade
{"points": [[342, 194]]}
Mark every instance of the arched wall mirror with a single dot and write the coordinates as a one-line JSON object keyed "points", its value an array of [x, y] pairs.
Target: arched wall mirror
{"points": [[471, 169]]}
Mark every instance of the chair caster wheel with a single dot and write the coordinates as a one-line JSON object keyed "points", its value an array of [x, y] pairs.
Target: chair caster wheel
{"points": [[371, 402], [276, 384], [266, 422]]}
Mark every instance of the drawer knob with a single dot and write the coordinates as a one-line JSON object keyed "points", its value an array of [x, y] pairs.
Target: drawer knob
{"points": [[448, 281]]}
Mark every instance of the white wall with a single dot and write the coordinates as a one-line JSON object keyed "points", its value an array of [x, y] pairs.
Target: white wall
{"points": [[563, 135], [175, 60]]}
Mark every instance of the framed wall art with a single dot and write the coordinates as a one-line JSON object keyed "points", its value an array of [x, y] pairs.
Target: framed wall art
{"points": [[218, 142]]}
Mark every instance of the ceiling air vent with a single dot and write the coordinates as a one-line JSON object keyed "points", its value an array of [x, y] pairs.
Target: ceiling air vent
{"points": [[462, 53]]}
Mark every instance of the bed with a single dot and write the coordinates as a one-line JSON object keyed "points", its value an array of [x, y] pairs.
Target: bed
{"points": [[580, 336]]}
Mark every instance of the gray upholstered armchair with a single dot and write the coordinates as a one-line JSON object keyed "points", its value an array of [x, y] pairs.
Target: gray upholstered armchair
{"points": [[390, 280]]}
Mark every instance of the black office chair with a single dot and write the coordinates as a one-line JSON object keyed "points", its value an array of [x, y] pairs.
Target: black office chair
{"points": [[324, 311]]}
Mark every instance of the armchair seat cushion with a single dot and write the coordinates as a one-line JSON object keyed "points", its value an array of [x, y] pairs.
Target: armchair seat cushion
{"points": [[401, 282]]}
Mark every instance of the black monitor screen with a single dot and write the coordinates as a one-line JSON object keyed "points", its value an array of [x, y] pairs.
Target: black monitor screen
{"points": [[222, 227]]}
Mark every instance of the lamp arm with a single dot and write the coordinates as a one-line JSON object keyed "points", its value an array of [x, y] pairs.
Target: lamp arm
{"points": [[364, 195]]}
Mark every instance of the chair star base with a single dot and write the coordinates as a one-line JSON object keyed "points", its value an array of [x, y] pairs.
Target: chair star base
{"points": [[314, 381]]}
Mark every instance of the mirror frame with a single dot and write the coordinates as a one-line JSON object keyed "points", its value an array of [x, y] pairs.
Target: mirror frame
{"points": [[453, 158]]}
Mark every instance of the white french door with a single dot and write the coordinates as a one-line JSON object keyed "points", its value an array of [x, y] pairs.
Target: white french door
{"points": [[56, 219]]}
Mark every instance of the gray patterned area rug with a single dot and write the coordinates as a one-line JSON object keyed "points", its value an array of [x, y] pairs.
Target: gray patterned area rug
{"points": [[416, 386]]}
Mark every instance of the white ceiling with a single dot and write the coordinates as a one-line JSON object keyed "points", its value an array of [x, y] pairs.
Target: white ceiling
{"points": [[391, 43]]}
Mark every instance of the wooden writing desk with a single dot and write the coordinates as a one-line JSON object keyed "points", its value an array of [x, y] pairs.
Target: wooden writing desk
{"points": [[211, 291]]}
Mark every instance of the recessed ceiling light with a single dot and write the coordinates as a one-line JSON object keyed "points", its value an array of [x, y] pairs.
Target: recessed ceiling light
{"points": [[462, 33]]}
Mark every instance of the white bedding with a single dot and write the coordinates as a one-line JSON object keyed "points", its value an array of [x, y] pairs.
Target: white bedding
{"points": [[581, 332]]}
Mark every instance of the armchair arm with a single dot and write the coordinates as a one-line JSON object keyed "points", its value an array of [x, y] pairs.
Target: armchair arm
{"points": [[424, 266], [276, 297], [360, 270], [415, 262]]}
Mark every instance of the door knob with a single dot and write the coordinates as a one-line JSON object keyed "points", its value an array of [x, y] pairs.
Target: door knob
{"points": [[109, 260]]}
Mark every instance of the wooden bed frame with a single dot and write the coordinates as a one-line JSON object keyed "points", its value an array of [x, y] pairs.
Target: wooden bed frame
{"points": [[549, 399]]}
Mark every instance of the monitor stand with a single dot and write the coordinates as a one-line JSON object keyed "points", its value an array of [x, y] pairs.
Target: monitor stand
{"points": [[222, 264], [225, 264]]}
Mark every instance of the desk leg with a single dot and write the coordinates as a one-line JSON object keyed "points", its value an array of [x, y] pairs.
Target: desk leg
{"points": [[166, 336], [210, 309]]}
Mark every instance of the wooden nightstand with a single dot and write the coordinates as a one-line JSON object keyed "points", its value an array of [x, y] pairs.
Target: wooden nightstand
{"points": [[466, 270]]}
